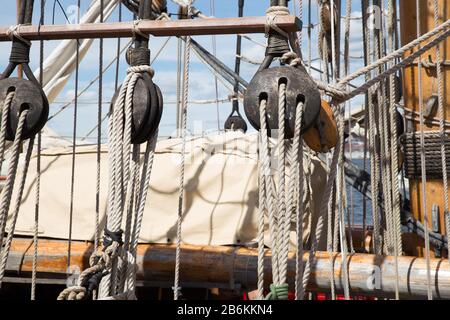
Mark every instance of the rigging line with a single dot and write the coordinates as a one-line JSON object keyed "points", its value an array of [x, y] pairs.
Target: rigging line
{"points": [[349, 210], [214, 47], [62, 9], [91, 83], [176, 288], [422, 158], [38, 170], [72, 180], [442, 130], [99, 131], [394, 150]]}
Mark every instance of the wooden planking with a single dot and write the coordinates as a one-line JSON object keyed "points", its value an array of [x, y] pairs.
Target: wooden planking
{"points": [[408, 20], [213, 26], [236, 266]]}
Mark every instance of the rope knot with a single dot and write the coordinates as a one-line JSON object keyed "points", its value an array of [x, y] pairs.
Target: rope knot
{"points": [[292, 59], [73, 293], [278, 292], [141, 69]]}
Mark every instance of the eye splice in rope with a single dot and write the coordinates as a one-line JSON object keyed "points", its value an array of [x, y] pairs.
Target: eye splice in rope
{"points": [[300, 87], [235, 120], [28, 93]]}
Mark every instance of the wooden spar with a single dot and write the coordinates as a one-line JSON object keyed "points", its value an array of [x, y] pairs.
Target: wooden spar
{"points": [[213, 26], [228, 267], [408, 16]]}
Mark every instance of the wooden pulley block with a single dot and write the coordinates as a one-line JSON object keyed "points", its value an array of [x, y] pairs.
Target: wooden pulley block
{"points": [[323, 135], [300, 88], [27, 95], [147, 109]]}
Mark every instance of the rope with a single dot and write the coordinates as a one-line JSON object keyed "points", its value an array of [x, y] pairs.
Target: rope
{"points": [[261, 215], [18, 198], [112, 268], [442, 131], [339, 94], [298, 205], [11, 177], [187, 57], [423, 165], [394, 151], [317, 235]]}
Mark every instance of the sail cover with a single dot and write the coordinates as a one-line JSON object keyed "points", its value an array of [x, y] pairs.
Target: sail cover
{"points": [[221, 200]]}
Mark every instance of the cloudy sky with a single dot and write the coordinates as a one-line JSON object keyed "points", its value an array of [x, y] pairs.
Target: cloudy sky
{"points": [[202, 84]]}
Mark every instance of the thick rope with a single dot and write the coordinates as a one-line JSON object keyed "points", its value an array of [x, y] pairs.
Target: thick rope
{"points": [[422, 160], [113, 263], [11, 176], [394, 150], [18, 198], [442, 131]]}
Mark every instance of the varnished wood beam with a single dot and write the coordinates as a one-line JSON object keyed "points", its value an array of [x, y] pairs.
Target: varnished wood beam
{"points": [[213, 26], [224, 266]]}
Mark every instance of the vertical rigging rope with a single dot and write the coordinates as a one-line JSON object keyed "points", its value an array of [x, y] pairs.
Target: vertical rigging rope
{"points": [[394, 150], [442, 131], [74, 142], [187, 56], [422, 160], [38, 170]]}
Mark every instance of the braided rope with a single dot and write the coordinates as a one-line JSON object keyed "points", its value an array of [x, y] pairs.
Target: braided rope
{"points": [[261, 216], [11, 177], [187, 58], [297, 156], [18, 201], [317, 235], [4, 121], [9, 188], [342, 95]]}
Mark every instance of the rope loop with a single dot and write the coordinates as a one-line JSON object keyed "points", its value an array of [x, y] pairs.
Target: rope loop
{"points": [[73, 293]]}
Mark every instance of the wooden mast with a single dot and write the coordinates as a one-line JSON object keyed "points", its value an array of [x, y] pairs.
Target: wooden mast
{"points": [[408, 15]]}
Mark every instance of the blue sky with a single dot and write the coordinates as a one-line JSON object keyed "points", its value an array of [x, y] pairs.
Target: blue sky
{"points": [[202, 82]]}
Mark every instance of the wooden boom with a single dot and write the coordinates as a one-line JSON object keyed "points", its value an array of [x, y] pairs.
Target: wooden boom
{"points": [[213, 26], [235, 267]]}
